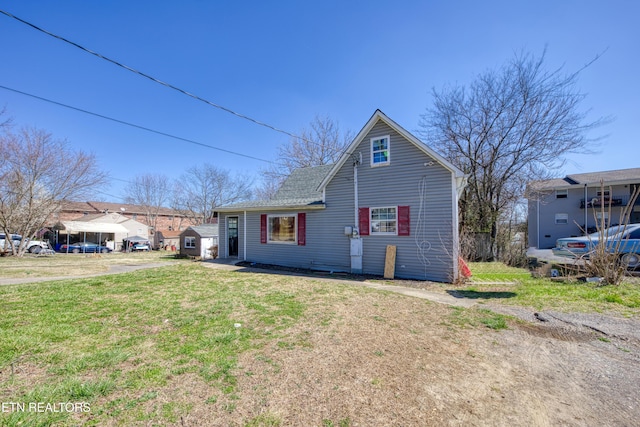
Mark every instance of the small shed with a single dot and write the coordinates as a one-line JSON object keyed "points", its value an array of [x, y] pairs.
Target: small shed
{"points": [[200, 241]]}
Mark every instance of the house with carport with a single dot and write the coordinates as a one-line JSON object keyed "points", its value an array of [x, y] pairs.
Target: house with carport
{"points": [[387, 190], [109, 229]]}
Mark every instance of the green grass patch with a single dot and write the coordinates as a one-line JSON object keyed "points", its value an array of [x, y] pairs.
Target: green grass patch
{"points": [[474, 317], [497, 283], [136, 332], [134, 345]]}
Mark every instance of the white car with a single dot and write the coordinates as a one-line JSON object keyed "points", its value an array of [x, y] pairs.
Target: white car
{"points": [[33, 246], [141, 246]]}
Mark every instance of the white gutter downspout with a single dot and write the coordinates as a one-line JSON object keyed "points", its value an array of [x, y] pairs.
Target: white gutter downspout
{"points": [[355, 241], [355, 195], [244, 236], [538, 220]]}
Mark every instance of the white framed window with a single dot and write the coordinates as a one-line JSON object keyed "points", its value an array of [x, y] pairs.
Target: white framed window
{"points": [[562, 194], [380, 151], [282, 229], [599, 215], [190, 242], [562, 218], [384, 220]]}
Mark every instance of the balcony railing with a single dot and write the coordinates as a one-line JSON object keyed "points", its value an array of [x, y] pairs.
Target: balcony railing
{"points": [[599, 201]]}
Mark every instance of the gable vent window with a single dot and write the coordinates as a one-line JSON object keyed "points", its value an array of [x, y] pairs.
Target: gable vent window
{"points": [[380, 151]]}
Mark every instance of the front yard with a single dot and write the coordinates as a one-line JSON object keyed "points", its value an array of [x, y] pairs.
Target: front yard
{"points": [[188, 345]]}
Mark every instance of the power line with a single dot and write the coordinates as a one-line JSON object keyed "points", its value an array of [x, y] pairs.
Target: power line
{"points": [[133, 70], [134, 125], [228, 110]]}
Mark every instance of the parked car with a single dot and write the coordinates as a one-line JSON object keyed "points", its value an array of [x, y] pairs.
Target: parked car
{"points": [[141, 246], [624, 240], [33, 246], [84, 247], [15, 237]]}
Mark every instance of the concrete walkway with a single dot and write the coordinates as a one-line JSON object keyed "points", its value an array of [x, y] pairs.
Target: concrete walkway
{"points": [[114, 269], [230, 266]]}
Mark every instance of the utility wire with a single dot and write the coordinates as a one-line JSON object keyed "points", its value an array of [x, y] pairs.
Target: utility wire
{"points": [[134, 125], [133, 70]]}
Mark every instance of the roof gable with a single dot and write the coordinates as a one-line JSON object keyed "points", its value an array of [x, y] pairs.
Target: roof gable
{"points": [[380, 116]]}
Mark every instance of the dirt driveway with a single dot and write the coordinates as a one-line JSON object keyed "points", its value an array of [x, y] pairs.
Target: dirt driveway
{"points": [[398, 361]]}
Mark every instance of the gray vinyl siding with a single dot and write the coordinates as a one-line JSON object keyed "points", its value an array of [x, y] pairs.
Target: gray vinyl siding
{"points": [[426, 254], [544, 212], [428, 251], [318, 253]]}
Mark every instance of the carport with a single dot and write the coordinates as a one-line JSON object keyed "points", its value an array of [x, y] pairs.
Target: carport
{"points": [[130, 241], [94, 229]]}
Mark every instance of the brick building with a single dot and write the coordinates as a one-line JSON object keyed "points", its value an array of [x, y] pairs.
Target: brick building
{"points": [[167, 222]]}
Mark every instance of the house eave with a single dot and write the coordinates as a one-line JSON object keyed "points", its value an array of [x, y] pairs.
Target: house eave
{"points": [[319, 206]]}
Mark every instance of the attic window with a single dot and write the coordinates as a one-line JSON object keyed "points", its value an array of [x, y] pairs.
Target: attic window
{"points": [[380, 154], [562, 194]]}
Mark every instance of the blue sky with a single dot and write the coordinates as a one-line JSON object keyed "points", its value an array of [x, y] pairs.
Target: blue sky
{"points": [[283, 62]]}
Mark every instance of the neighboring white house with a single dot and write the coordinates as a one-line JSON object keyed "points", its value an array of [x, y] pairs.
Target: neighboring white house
{"points": [[109, 229]]}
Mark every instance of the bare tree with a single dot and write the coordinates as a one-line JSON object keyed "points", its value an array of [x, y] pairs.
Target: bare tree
{"points": [[7, 122], [37, 173], [152, 193], [320, 144], [508, 127], [201, 189]]}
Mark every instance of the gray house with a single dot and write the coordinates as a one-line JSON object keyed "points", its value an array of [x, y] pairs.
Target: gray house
{"points": [[563, 207], [200, 241], [387, 189]]}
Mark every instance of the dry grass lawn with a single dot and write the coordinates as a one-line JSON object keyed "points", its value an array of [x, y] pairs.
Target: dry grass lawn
{"points": [[191, 346]]}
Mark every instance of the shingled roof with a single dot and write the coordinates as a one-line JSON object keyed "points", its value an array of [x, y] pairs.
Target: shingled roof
{"points": [[205, 230], [612, 177], [300, 190]]}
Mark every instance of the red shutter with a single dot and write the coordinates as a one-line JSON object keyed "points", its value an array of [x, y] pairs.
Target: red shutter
{"points": [[263, 228], [302, 229], [363, 221], [404, 221]]}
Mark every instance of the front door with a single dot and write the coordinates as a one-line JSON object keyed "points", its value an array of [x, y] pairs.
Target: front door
{"points": [[232, 235]]}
